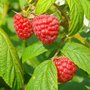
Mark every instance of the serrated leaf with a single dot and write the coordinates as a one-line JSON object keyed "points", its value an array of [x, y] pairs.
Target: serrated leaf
{"points": [[79, 54], [10, 68], [33, 51], [86, 7], [76, 16], [44, 77], [43, 5]]}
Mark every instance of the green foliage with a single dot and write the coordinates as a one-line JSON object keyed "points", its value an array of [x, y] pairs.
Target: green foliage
{"points": [[33, 51], [10, 67], [44, 77], [76, 16], [79, 54], [43, 5], [86, 7], [28, 65], [22, 3]]}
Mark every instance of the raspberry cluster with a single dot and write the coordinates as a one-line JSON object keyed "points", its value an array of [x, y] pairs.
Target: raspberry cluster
{"points": [[45, 27], [65, 68]]}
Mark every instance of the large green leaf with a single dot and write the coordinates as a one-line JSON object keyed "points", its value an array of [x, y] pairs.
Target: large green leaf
{"points": [[86, 7], [44, 77], [10, 68], [79, 54], [43, 5], [33, 51], [76, 16]]}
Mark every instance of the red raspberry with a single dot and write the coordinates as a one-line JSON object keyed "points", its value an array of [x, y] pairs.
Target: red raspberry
{"points": [[65, 68], [22, 26], [46, 28]]}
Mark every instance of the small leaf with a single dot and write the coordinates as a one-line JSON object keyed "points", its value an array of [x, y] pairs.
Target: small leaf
{"points": [[33, 51], [43, 5], [34, 62], [76, 16], [86, 7], [79, 54], [44, 77], [10, 68]]}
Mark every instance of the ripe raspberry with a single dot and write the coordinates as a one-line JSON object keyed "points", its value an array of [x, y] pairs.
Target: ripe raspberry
{"points": [[22, 26], [46, 28], [65, 68]]}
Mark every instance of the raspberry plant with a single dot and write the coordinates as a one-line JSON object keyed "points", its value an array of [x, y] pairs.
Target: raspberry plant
{"points": [[44, 45]]}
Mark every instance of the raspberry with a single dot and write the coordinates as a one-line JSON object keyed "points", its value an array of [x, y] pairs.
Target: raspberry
{"points": [[46, 28], [22, 26], [65, 68]]}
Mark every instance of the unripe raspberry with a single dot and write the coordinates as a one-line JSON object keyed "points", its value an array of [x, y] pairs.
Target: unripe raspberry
{"points": [[46, 28], [23, 26], [65, 68]]}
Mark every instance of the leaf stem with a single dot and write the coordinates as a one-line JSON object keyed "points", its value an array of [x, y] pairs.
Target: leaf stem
{"points": [[81, 39], [24, 43]]}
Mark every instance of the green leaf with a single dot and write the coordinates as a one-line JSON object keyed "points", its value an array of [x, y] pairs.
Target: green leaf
{"points": [[22, 3], [34, 62], [74, 86], [86, 7], [79, 54], [33, 51], [10, 68], [43, 5], [76, 16], [44, 77]]}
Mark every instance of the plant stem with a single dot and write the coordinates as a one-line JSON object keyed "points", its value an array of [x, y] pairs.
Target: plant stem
{"points": [[81, 39]]}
